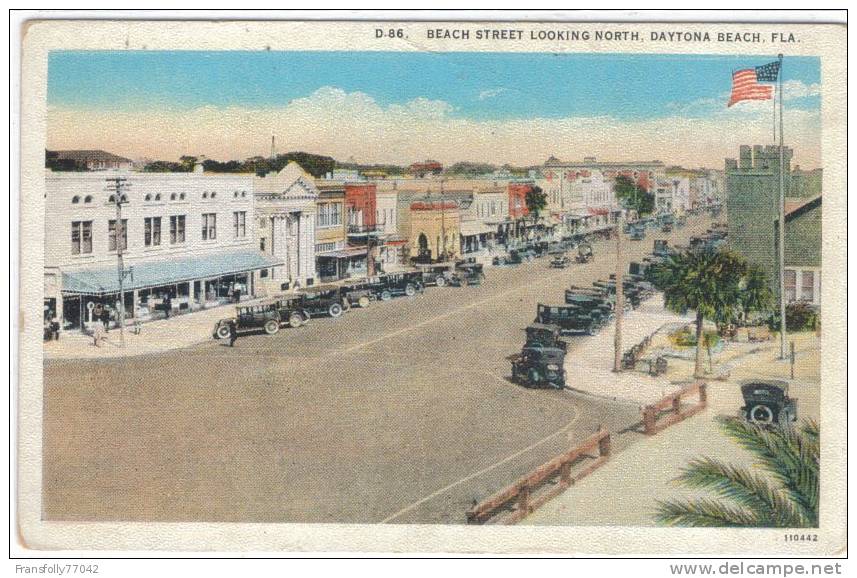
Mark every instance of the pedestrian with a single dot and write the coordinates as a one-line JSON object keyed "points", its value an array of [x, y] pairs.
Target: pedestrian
{"points": [[233, 333], [98, 333], [105, 318], [168, 305], [236, 294], [55, 328]]}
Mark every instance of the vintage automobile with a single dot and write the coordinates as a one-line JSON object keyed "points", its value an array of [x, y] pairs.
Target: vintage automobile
{"points": [[584, 253], [358, 293], [570, 318], [468, 274], [637, 234], [545, 336], [391, 285], [767, 402], [268, 315], [438, 274], [661, 248], [539, 366], [560, 262], [321, 300], [513, 257], [667, 228]]}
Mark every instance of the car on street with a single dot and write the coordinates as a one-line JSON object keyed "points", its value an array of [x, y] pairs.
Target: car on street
{"points": [[324, 300], [560, 262], [539, 366], [268, 315], [767, 402], [570, 318], [545, 336], [389, 285]]}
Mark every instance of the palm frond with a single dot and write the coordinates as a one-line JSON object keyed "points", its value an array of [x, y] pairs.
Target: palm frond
{"points": [[790, 460], [750, 492], [703, 513]]}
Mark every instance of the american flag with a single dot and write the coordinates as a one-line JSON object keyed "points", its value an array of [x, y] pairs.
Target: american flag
{"points": [[745, 83]]}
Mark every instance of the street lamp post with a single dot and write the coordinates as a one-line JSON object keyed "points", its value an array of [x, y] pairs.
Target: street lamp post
{"points": [[117, 185]]}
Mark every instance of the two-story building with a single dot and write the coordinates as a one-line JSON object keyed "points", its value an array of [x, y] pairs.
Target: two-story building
{"points": [[188, 242]]}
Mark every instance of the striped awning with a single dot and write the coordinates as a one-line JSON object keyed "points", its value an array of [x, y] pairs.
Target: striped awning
{"points": [[165, 272]]}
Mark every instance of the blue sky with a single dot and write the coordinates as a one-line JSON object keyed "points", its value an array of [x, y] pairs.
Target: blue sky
{"points": [[477, 85]]}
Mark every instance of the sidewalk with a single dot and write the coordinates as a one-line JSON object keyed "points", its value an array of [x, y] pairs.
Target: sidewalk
{"points": [[625, 491], [155, 336], [590, 368]]}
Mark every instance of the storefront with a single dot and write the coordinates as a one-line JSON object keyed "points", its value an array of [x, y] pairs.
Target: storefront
{"points": [[160, 289], [341, 264]]}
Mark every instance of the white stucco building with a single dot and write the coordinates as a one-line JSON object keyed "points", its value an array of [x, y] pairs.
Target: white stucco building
{"points": [[285, 204], [188, 242]]}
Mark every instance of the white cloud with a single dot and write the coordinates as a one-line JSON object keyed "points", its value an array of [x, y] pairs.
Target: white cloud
{"points": [[342, 124], [491, 93], [796, 89]]}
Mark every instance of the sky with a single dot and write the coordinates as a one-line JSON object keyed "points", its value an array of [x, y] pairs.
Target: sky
{"points": [[517, 108]]}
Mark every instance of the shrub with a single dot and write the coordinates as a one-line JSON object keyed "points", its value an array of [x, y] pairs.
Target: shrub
{"points": [[800, 316]]}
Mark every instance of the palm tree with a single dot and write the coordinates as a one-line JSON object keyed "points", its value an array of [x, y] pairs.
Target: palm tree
{"points": [[756, 294], [786, 498], [707, 282]]}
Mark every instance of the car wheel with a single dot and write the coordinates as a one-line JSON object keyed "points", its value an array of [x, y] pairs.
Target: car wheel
{"points": [[335, 310], [272, 326], [363, 302], [440, 281], [306, 317], [410, 290], [223, 332], [761, 414], [386, 295], [296, 320], [346, 304]]}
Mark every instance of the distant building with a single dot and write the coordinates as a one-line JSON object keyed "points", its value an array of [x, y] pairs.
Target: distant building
{"points": [[752, 203], [425, 168], [86, 160], [434, 229]]}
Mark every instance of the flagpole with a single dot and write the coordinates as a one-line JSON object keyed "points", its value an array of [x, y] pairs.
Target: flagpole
{"points": [[782, 224]]}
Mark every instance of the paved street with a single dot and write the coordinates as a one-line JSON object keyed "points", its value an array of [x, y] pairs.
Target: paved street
{"points": [[399, 413]]}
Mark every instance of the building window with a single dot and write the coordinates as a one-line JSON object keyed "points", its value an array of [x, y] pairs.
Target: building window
{"points": [[88, 199], [336, 214], [152, 231], [209, 226], [148, 197], [262, 244], [213, 194], [176, 229], [205, 194], [81, 237], [807, 286], [157, 197], [239, 220], [791, 285], [111, 234], [173, 197], [75, 200], [181, 196]]}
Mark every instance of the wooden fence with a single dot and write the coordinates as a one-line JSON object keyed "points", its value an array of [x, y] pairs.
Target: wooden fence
{"points": [[518, 500], [654, 419]]}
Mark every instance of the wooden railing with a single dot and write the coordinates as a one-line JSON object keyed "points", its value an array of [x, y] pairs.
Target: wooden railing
{"points": [[653, 419], [518, 500]]}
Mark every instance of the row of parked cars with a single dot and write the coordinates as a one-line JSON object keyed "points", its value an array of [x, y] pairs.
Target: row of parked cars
{"points": [[297, 309]]}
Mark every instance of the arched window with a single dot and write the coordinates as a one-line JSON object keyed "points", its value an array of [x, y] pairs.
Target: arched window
{"points": [[235, 194], [205, 194], [88, 199], [243, 193], [75, 200], [112, 199], [124, 199], [173, 197], [181, 196], [148, 196], [213, 194]]}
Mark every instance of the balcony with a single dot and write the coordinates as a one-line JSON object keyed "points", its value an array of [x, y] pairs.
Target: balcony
{"points": [[363, 230]]}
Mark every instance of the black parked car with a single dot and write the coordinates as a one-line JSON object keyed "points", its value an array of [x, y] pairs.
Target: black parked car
{"points": [[569, 318], [268, 315], [325, 300], [438, 274], [539, 366], [545, 336], [768, 402], [584, 253], [392, 285], [468, 274]]}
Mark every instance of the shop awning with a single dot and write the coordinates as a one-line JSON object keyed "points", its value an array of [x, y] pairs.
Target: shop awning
{"points": [[165, 272], [468, 229], [344, 253]]}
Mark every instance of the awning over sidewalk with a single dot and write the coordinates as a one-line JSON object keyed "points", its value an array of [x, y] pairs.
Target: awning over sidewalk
{"points": [[470, 228], [344, 253], [165, 272]]}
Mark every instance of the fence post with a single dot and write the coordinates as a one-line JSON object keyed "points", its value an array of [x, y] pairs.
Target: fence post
{"points": [[604, 446], [524, 500]]}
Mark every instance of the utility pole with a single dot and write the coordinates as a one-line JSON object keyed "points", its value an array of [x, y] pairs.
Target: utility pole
{"points": [[116, 185], [782, 223], [442, 219], [620, 298]]}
